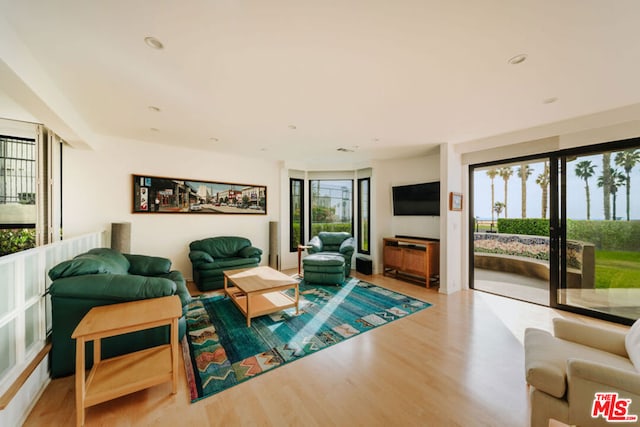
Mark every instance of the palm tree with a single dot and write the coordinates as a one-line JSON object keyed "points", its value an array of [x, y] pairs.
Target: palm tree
{"points": [[585, 170], [524, 172], [627, 159], [492, 173], [616, 179], [606, 184], [543, 181], [505, 173], [498, 207]]}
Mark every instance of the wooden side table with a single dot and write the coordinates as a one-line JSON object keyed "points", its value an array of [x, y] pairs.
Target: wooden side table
{"points": [[117, 376], [301, 248]]}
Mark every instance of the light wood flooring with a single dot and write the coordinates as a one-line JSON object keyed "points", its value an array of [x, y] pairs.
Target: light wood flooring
{"points": [[458, 363]]}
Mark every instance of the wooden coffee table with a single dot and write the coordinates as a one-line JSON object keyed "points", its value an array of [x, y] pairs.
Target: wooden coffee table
{"points": [[258, 291]]}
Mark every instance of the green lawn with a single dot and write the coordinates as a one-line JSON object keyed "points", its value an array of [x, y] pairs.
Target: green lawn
{"points": [[617, 269]]}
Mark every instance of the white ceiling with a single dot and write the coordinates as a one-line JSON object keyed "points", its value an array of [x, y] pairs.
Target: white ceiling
{"points": [[388, 78]]}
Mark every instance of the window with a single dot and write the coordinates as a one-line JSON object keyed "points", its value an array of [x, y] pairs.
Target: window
{"points": [[364, 208], [331, 206], [30, 213], [296, 213], [17, 194]]}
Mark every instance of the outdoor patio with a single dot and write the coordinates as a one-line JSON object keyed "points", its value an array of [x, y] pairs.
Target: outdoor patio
{"points": [[623, 302]]}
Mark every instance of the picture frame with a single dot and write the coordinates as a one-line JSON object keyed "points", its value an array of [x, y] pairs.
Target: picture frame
{"points": [[455, 201], [160, 195]]}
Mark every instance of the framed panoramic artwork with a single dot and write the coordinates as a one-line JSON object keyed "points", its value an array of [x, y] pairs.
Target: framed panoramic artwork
{"points": [[153, 194], [455, 201]]}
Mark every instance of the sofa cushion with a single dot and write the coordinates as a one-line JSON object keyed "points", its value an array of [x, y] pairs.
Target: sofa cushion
{"points": [[112, 287], [221, 247], [229, 263], [324, 259], [119, 261], [546, 360], [632, 344], [148, 265], [331, 240], [96, 261]]}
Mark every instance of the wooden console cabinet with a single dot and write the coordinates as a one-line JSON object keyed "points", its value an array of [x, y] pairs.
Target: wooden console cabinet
{"points": [[411, 259]]}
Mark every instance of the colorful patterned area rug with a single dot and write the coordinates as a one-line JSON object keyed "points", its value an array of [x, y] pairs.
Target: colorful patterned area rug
{"points": [[220, 351]]}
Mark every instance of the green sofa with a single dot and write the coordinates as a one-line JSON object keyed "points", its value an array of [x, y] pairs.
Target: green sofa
{"points": [[105, 276], [212, 256]]}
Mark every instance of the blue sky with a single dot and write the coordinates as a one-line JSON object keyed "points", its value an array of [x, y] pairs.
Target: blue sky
{"points": [[576, 196]]}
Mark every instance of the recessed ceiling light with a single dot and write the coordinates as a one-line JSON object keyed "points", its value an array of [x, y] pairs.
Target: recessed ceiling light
{"points": [[213, 139], [518, 59], [344, 150], [153, 43], [154, 129], [293, 127], [375, 139], [549, 100], [153, 108]]}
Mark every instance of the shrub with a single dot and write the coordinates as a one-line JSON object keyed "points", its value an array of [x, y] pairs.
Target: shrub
{"points": [[330, 226], [524, 226], [606, 235], [16, 240]]}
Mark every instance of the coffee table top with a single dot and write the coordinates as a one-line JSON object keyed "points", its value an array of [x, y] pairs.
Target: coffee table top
{"points": [[258, 279]]}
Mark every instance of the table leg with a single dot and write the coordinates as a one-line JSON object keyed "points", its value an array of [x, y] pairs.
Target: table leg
{"points": [[297, 299], [80, 384], [97, 351], [248, 296], [174, 356]]}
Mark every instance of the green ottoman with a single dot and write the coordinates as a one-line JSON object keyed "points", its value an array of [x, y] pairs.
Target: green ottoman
{"points": [[322, 268]]}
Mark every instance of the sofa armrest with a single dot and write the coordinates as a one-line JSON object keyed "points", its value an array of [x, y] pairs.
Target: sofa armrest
{"points": [[348, 246], [181, 287], [199, 257], [315, 245], [609, 340], [608, 377], [250, 252], [585, 379], [145, 265]]}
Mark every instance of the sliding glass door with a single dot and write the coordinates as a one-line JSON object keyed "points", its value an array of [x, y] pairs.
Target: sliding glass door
{"points": [[599, 231], [561, 230], [511, 229]]}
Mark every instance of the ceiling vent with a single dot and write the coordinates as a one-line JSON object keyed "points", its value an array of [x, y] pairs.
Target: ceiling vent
{"points": [[345, 150]]}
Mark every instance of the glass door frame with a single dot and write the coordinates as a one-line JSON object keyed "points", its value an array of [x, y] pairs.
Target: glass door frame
{"points": [[557, 219], [522, 159]]}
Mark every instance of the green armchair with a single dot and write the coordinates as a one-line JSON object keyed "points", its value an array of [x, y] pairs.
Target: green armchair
{"points": [[105, 276], [336, 243], [212, 256]]}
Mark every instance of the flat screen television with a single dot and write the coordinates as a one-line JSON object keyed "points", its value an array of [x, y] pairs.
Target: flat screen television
{"points": [[417, 199]]}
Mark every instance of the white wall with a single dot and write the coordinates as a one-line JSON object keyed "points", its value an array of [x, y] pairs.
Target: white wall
{"points": [[387, 174], [454, 269], [97, 190]]}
